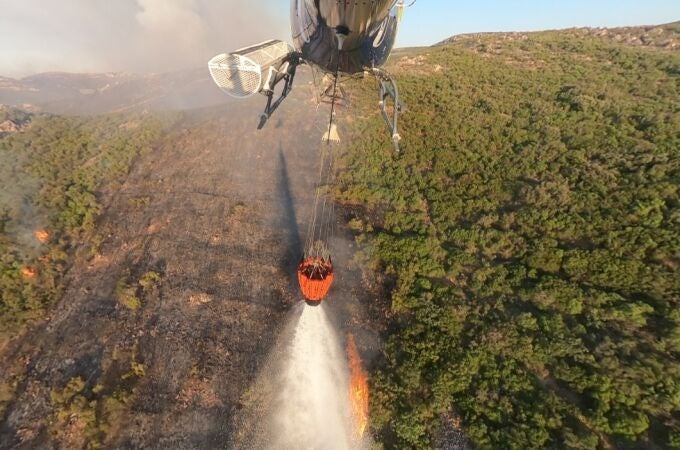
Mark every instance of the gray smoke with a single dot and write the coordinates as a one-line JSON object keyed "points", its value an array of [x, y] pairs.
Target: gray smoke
{"points": [[130, 35], [16, 203]]}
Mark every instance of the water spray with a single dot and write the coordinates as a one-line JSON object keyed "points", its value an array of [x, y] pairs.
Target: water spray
{"points": [[309, 396]]}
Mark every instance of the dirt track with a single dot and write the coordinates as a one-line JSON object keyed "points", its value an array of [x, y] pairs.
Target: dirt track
{"points": [[219, 211]]}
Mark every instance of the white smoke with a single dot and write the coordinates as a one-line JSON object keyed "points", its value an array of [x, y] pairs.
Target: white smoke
{"points": [[130, 35], [172, 31], [177, 19]]}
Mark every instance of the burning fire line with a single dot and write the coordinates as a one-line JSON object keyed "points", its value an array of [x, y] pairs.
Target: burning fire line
{"points": [[358, 387], [28, 272], [42, 235]]}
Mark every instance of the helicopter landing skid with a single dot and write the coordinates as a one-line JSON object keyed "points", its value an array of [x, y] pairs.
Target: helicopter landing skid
{"points": [[389, 91]]}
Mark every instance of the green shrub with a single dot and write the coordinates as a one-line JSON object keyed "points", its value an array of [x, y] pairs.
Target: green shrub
{"points": [[529, 224]]}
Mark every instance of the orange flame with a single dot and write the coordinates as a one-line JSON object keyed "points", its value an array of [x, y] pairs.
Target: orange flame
{"points": [[41, 235], [28, 272], [358, 387]]}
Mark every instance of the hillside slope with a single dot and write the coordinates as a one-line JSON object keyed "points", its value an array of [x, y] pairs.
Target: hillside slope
{"points": [[141, 311], [84, 94], [529, 235], [525, 244]]}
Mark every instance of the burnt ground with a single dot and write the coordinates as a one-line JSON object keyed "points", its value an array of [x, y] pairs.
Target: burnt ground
{"points": [[219, 211]]}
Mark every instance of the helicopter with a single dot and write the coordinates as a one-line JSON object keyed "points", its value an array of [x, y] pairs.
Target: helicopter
{"points": [[338, 37]]}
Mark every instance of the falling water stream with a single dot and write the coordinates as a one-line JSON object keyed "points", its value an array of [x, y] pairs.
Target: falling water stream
{"points": [[303, 393], [313, 403]]}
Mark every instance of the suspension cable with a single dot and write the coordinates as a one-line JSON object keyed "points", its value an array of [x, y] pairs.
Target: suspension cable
{"points": [[324, 228], [325, 234]]}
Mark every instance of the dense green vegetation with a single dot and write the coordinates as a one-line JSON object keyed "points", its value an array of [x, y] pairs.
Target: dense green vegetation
{"points": [[52, 175], [84, 417], [530, 233]]}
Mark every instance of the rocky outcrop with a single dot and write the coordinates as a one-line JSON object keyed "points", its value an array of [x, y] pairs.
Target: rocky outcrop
{"points": [[7, 127], [13, 120]]}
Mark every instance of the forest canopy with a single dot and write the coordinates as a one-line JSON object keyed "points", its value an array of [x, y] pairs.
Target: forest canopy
{"points": [[529, 233]]}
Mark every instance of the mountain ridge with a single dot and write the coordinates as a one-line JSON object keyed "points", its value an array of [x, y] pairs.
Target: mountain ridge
{"points": [[97, 93], [662, 35]]}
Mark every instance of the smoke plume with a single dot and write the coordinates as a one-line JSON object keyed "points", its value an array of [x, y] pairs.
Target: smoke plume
{"points": [[130, 35]]}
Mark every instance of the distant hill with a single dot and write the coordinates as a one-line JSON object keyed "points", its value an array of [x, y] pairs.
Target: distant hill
{"points": [[662, 36], [96, 93], [67, 93]]}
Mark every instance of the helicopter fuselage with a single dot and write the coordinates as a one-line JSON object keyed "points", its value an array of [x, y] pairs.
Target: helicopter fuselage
{"points": [[345, 36], [340, 37]]}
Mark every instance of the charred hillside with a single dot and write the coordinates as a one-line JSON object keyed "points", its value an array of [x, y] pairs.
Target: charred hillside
{"points": [[144, 291]]}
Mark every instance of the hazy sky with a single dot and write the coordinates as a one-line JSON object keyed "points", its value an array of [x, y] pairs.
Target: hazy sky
{"points": [[162, 35]]}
